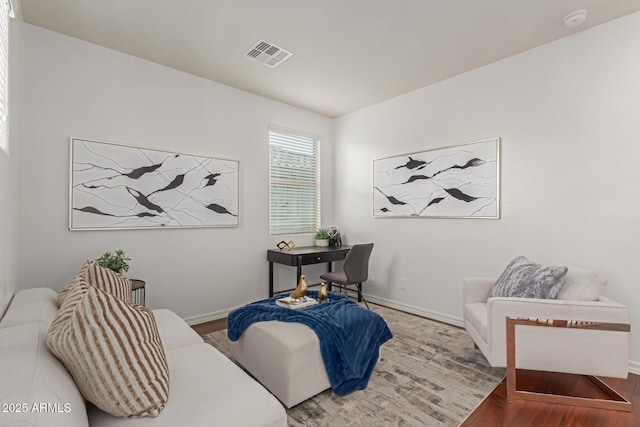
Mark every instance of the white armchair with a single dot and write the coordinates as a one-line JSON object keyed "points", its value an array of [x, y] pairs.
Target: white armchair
{"points": [[587, 352]]}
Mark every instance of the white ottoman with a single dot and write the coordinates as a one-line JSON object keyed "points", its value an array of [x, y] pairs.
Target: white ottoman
{"points": [[285, 357]]}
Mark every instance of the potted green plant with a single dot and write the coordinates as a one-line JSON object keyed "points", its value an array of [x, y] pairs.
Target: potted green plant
{"points": [[322, 237], [118, 262]]}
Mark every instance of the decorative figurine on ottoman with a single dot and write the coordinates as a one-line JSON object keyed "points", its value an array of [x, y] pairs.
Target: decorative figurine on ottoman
{"points": [[296, 354], [323, 296], [300, 291]]}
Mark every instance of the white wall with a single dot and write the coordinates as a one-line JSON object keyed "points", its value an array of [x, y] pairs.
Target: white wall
{"points": [[567, 113], [9, 170], [6, 290], [6, 285], [72, 88]]}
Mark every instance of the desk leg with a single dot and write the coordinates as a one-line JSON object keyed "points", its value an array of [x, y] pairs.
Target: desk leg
{"points": [[298, 271], [329, 268], [270, 279]]}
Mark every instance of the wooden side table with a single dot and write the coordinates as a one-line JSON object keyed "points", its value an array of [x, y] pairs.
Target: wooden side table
{"points": [[137, 291]]}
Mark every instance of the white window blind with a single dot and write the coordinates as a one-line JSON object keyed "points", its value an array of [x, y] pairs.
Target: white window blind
{"points": [[294, 182], [5, 10]]}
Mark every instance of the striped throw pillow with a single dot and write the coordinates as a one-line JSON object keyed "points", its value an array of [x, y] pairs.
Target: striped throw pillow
{"points": [[80, 276], [74, 292], [108, 280], [103, 279], [113, 351]]}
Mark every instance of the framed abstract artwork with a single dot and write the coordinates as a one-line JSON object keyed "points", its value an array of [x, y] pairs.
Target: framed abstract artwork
{"points": [[114, 186], [461, 181]]}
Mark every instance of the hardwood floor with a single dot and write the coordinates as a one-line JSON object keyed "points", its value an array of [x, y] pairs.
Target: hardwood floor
{"points": [[212, 326], [497, 410]]}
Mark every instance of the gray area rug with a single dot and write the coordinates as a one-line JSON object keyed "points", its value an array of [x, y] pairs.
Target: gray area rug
{"points": [[429, 374]]}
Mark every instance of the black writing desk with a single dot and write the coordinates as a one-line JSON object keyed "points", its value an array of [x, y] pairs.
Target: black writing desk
{"points": [[297, 257]]}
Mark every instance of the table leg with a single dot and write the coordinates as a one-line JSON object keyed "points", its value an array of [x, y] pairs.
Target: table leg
{"points": [[270, 279], [329, 271], [298, 270]]}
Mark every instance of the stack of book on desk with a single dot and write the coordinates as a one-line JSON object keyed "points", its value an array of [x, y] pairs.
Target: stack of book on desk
{"points": [[296, 303]]}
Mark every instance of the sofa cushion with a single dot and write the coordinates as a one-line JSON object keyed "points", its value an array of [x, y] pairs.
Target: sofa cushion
{"points": [[207, 389], [582, 284], [102, 278], [174, 332], [32, 378], [31, 305], [526, 279], [114, 353]]}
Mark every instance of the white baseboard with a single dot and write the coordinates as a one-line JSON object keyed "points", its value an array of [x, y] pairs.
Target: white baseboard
{"points": [[435, 315], [441, 317], [207, 317], [634, 367]]}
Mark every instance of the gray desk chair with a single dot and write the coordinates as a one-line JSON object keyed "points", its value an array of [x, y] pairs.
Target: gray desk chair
{"points": [[355, 270]]}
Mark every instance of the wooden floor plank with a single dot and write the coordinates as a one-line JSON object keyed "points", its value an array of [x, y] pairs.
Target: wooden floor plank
{"points": [[211, 326]]}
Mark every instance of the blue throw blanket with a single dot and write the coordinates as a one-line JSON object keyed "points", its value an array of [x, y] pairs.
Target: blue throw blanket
{"points": [[350, 336]]}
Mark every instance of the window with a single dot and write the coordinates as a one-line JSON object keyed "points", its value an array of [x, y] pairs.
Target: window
{"points": [[294, 182], [5, 12]]}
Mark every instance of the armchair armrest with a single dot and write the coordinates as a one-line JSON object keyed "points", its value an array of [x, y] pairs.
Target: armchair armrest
{"points": [[603, 310], [499, 308], [476, 289]]}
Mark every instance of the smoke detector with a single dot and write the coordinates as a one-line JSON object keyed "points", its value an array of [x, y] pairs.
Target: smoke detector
{"points": [[575, 18], [268, 54]]}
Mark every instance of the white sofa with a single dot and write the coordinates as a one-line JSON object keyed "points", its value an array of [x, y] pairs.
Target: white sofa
{"points": [[206, 388], [589, 352]]}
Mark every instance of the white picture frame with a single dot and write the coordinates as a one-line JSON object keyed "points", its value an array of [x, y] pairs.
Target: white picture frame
{"points": [[459, 181], [115, 186]]}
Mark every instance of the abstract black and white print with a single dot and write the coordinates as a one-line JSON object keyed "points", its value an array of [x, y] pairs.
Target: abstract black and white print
{"points": [[115, 186], [455, 182]]}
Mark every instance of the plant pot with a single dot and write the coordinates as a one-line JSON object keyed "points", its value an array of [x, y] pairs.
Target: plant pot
{"points": [[323, 242]]}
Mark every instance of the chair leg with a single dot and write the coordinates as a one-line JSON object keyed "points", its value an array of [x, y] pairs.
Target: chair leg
{"points": [[330, 287], [360, 296]]}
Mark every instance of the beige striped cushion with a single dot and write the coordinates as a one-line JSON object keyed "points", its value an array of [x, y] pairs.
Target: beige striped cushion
{"points": [[113, 351], [75, 291], [62, 295], [103, 279]]}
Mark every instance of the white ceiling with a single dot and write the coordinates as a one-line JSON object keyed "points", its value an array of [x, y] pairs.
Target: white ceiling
{"points": [[347, 54]]}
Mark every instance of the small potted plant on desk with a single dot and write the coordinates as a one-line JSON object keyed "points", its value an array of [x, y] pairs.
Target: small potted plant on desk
{"points": [[322, 237]]}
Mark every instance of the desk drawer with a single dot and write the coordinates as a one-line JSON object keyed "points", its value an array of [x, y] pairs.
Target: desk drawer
{"points": [[323, 257]]}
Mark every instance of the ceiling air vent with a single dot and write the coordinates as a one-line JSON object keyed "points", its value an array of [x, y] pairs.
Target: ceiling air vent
{"points": [[268, 53]]}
